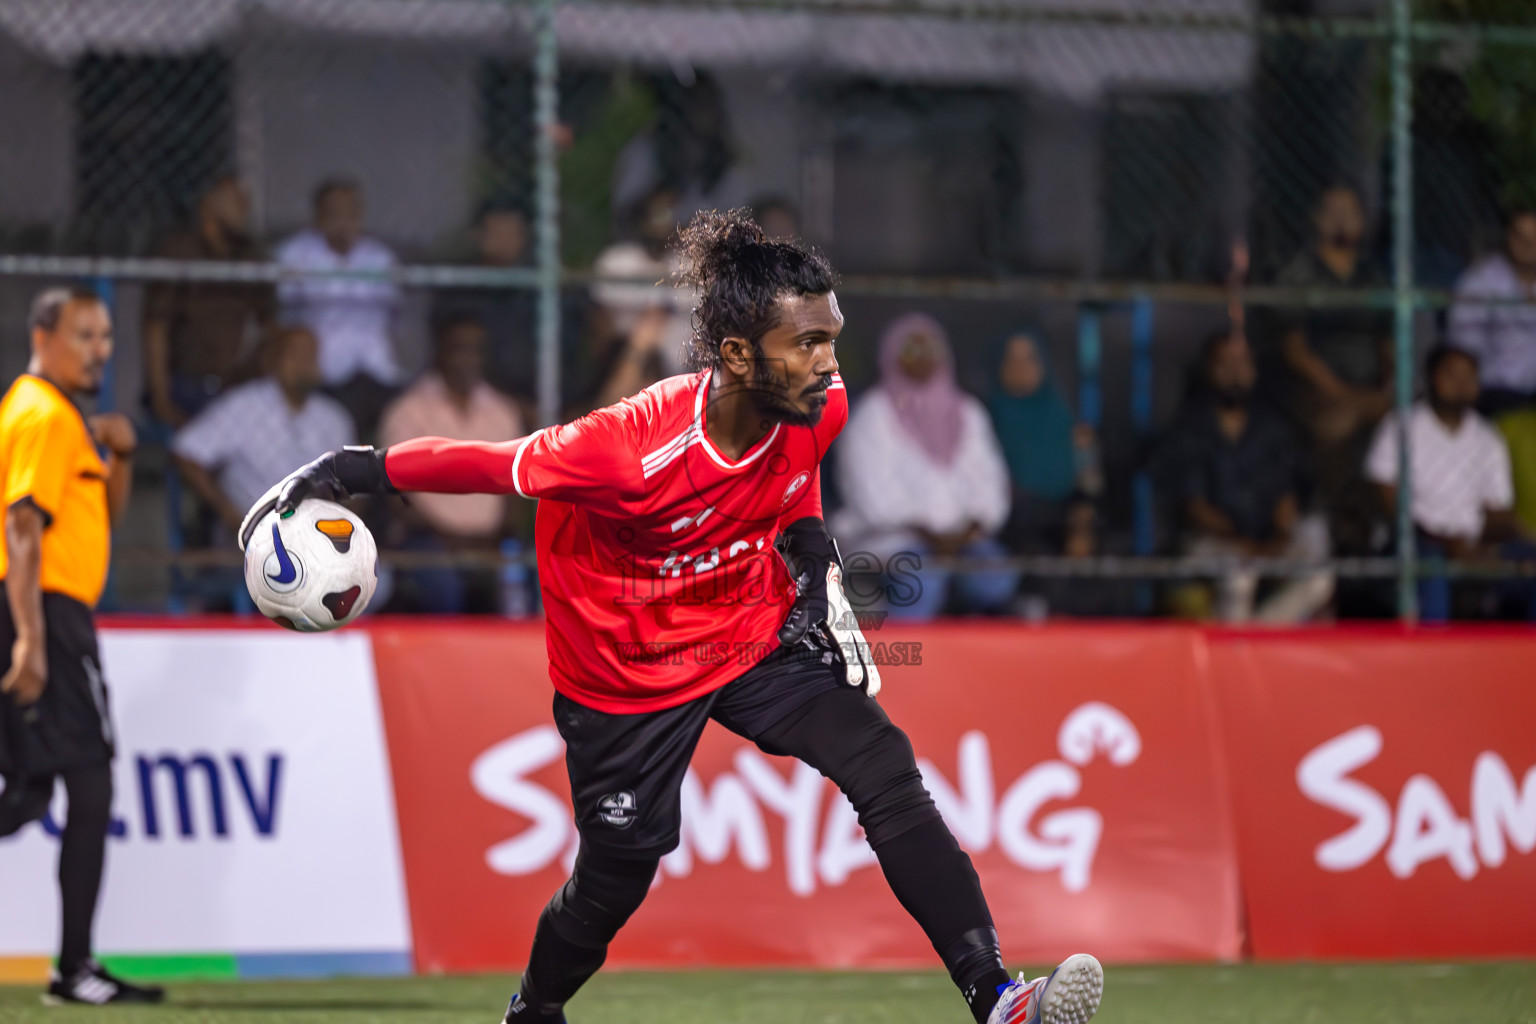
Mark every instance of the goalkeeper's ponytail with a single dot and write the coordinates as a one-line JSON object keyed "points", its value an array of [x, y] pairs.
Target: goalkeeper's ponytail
{"points": [[740, 275]]}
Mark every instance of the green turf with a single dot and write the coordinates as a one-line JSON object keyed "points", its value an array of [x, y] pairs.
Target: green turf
{"points": [[1388, 994]]}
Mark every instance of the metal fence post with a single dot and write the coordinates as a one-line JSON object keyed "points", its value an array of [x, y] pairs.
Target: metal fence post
{"points": [[1402, 285], [546, 99]]}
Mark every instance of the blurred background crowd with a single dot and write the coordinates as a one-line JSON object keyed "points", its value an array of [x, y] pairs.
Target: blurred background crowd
{"points": [[1044, 225]]}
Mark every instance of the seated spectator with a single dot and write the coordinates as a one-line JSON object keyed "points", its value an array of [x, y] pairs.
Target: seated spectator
{"points": [[630, 327], [1502, 337], [352, 317], [1339, 361], [922, 475], [1036, 429], [258, 432], [777, 217], [639, 328], [453, 400], [1236, 471], [1462, 501], [200, 337], [509, 315]]}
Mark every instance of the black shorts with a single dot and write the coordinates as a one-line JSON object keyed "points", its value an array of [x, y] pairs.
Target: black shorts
{"points": [[627, 770], [70, 726]]}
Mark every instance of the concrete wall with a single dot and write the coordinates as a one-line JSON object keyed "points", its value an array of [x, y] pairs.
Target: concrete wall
{"points": [[400, 117], [36, 141]]}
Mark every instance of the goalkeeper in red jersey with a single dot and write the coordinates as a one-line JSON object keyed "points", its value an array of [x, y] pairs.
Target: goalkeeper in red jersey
{"points": [[687, 575]]}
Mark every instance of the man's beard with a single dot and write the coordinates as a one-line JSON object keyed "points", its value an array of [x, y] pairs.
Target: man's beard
{"points": [[771, 398]]}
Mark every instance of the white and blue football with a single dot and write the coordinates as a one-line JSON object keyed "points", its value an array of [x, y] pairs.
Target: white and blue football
{"points": [[312, 570]]}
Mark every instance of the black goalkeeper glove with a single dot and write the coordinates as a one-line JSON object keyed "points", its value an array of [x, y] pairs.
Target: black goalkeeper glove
{"points": [[334, 476], [821, 613]]}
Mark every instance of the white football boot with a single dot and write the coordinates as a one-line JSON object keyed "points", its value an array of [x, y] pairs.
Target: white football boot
{"points": [[1068, 995]]}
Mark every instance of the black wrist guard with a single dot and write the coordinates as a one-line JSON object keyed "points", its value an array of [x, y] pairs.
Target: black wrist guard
{"points": [[360, 470], [806, 545]]}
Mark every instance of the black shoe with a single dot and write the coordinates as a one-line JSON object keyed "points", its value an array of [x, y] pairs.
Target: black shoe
{"points": [[91, 984], [24, 800]]}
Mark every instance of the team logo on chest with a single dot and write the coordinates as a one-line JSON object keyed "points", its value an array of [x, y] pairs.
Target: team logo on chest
{"points": [[796, 485]]}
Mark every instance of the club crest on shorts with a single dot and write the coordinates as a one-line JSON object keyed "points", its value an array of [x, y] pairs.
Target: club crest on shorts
{"points": [[793, 490], [617, 809]]}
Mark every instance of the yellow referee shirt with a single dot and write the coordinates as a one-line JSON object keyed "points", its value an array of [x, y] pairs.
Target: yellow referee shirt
{"points": [[47, 455]]}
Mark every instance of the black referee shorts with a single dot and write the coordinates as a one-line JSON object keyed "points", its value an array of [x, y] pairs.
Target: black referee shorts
{"points": [[70, 726], [627, 770]]}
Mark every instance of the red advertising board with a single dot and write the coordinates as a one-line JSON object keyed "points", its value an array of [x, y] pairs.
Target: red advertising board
{"points": [[1076, 764], [1384, 790]]}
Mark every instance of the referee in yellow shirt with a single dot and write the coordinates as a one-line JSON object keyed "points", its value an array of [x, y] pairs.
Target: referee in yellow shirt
{"points": [[66, 480]]}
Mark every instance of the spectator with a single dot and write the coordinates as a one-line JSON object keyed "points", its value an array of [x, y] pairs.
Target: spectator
{"points": [[509, 315], [352, 317], [1036, 429], [1502, 337], [777, 217], [639, 328], [922, 473], [1339, 361], [201, 337], [454, 400], [1462, 501], [258, 432], [1237, 473]]}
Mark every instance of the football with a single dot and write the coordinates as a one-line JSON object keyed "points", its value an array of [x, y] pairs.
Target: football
{"points": [[312, 570]]}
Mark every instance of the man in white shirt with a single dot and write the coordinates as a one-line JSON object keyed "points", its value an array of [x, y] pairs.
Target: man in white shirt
{"points": [[351, 316], [1463, 494], [255, 434], [1502, 337]]}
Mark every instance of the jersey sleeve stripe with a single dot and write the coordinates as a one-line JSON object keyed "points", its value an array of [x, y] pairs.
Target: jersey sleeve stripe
{"points": [[669, 450], [517, 461], [689, 438]]}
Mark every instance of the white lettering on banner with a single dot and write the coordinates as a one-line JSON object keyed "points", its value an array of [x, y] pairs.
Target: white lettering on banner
{"points": [[1426, 827], [1074, 834], [1498, 809], [254, 803], [969, 813], [1323, 777], [716, 819], [1098, 727], [498, 776], [799, 802], [825, 847]]}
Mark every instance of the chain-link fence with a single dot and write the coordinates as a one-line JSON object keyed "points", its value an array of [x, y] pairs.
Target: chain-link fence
{"points": [[1122, 181]]}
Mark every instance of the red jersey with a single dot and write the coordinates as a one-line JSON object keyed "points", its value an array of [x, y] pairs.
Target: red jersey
{"points": [[656, 552]]}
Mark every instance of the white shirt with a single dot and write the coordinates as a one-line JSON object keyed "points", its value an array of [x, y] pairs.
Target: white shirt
{"points": [[890, 482], [350, 316], [1457, 476], [251, 438], [1502, 337]]}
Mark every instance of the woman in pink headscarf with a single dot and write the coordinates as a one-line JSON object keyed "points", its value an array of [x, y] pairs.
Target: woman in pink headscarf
{"points": [[923, 475]]}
